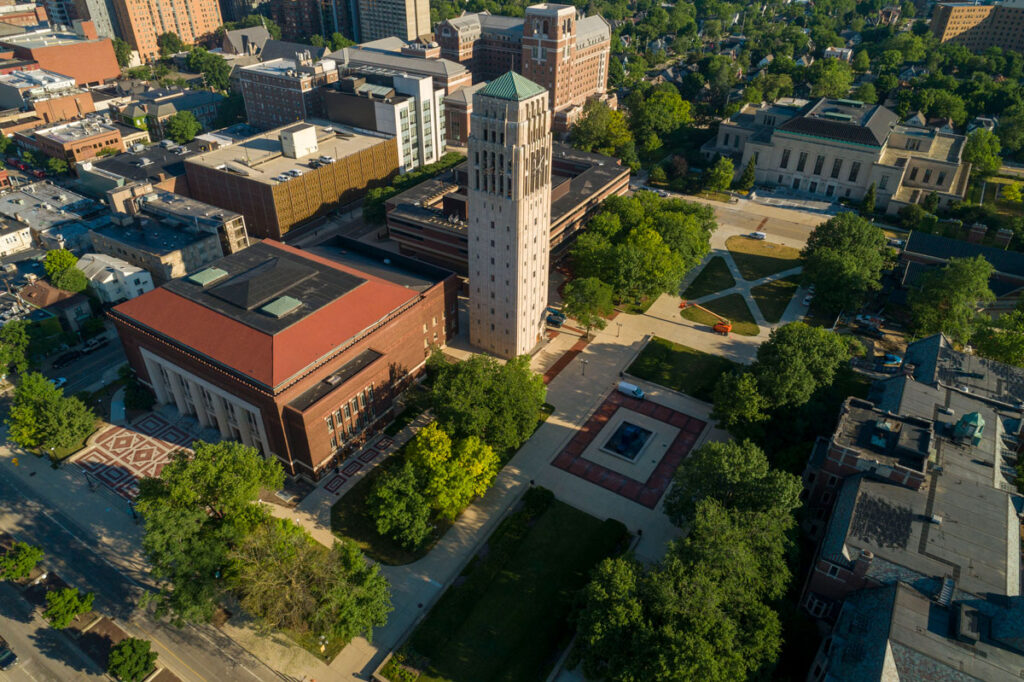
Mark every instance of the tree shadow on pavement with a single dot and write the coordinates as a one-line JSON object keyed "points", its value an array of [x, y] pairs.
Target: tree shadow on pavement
{"points": [[56, 646]]}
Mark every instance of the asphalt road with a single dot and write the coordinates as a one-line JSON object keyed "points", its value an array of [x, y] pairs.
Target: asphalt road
{"points": [[201, 654], [88, 370], [43, 653]]}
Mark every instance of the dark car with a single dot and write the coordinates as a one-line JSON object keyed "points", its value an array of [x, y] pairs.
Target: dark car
{"points": [[7, 657], [67, 358], [556, 320]]}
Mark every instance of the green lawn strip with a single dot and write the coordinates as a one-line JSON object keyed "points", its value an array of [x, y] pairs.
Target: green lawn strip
{"points": [[680, 368], [508, 617], [714, 277], [758, 258], [732, 307], [350, 519], [773, 298]]}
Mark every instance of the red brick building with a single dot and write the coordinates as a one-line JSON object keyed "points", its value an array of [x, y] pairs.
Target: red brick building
{"points": [[80, 53], [298, 354]]}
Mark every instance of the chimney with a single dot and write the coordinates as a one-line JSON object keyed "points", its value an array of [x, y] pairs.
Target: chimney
{"points": [[863, 563], [1003, 237], [976, 233]]}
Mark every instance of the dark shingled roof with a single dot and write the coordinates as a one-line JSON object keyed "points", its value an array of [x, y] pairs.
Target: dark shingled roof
{"points": [[281, 49], [844, 121], [935, 246]]}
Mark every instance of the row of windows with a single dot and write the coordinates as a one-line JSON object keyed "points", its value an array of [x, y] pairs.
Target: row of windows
{"points": [[819, 164], [351, 417]]}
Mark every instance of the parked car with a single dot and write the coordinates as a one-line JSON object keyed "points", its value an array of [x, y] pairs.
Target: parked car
{"points": [[59, 381], [898, 243], [67, 358], [758, 235], [7, 657], [95, 343], [555, 320], [873, 332], [808, 298]]}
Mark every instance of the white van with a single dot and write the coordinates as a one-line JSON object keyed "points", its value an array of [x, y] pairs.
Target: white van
{"points": [[631, 390]]}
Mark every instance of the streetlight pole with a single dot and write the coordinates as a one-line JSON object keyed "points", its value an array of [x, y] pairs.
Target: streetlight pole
{"points": [[618, 331], [583, 367]]}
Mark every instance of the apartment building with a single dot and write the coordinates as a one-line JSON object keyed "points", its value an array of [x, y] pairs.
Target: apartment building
{"points": [[282, 91], [143, 21], [552, 45], [406, 19], [980, 25], [78, 52], [837, 148], [52, 96], [298, 19], [287, 176], [408, 107], [298, 354], [113, 280]]}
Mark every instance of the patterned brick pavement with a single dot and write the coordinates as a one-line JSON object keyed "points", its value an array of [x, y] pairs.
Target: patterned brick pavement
{"points": [[118, 457], [646, 492]]}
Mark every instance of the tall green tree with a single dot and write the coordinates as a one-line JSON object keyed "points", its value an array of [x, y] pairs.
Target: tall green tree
{"points": [[72, 279], [736, 474], [13, 345], [57, 261], [63, 606], [830, 78], [870, 199], [738, 401], [950, 297], [399, 508], [746, 181], [201, 506], [588, 301], [18, 561], [170, 44], [645, 266], [844, 258], [183, 127], [982, 151], [451, 475], [796, 360], [131, 660], [288, 580], [719, 175], [603, 130], [122, 52], [41, 417]]}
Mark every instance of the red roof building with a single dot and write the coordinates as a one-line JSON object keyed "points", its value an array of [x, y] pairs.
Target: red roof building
{"points": [[299, 354]]}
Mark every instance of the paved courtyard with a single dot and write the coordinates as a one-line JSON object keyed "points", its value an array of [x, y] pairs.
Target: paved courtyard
{"points": [[119, 456]]}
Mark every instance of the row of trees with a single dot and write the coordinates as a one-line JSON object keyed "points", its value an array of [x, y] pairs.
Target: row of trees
{"points": [[131, 660], [643, 245], [206, 537], [42, 417], [704, 611]]}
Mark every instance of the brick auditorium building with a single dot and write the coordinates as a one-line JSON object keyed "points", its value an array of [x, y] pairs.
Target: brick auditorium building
{"points": [[296, 353]]}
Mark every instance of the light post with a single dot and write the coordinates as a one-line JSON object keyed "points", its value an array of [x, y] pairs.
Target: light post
{"points": [[618, 330], [583, 367]]}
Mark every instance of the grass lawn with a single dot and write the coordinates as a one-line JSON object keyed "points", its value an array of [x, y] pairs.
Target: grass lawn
{"points": [[714, 277], [350, 519], [757, 258], [732, 307], [773, 298], [507, 617], [680, 368]]}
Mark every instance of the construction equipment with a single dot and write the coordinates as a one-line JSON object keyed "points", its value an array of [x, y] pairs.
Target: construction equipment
{"points": [[723, 326]]}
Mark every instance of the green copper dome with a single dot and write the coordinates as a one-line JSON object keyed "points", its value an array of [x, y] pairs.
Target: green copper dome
{"points": [[511, 86]]}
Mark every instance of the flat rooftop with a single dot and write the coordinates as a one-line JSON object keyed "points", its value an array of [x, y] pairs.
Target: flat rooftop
{"points": [[401, 270], [153, 163], [186, 210], [287, 68], [153, 236], [36, 78], [44, 38], [937, 362], [42, 205], [76, 130], [261, 159], [887, 438]]}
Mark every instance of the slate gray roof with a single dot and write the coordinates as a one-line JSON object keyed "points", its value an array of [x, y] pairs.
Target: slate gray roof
{"points": [[843, 121], [355, 58], [281, 49], [254, 35], [944, 248]]}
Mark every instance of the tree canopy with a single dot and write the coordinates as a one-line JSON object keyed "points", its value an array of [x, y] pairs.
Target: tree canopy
{"points": [[183, 127], [18, 561], [13, 346], [844, 258], [57, 261], [950, 297], [170, 44], [589, 301], [42, 417], [201, 506], [64, 605], [604, 130], [982, 151], [796, 360], [131, 660], [122, 52]]}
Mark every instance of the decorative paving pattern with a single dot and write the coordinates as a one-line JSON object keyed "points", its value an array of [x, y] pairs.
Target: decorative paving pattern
{"points": [[647, 492], [335, 483], [383, 443], [369, 455], [118, 457], [351, 468]]}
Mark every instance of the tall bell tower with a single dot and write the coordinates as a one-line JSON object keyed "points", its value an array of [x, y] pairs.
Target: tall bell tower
{"points": [[509, 213]]}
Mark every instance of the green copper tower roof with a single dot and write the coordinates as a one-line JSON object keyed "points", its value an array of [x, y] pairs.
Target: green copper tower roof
{"points": [[511, 86]]}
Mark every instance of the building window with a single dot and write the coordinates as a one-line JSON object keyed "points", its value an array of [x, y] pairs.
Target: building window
{"points": [[833, 570], [330, 422], [927, 175], [801, 162], [854, 171], [913, 174], [785, 159], [883, 182], [942, 178], [796, 183], [818, 164], [837, 166]]}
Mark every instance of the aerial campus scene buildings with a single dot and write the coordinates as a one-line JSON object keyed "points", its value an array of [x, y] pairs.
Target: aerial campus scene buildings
{"points": [[400, 340]]}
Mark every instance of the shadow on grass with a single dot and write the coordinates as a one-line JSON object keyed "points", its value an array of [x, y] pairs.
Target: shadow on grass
{"points": [[756, 259], [681, 368], [732, 307]]}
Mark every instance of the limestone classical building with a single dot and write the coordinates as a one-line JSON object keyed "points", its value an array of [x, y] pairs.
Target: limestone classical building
{"points": [[836, 148], [509, 211]]}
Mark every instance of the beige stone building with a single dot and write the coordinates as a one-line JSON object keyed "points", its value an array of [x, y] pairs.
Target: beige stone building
{"points": [[509, 215], [407, 19], [833, 149], [980, 25]]}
